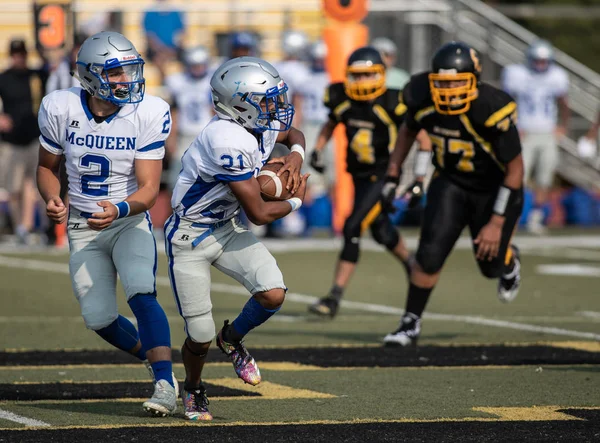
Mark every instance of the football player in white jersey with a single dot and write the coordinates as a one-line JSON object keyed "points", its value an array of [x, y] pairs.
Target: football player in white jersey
{"points": [[218, 179], [316, 115], [112, 136], [191, 103], [538, 86], [293, 69]]}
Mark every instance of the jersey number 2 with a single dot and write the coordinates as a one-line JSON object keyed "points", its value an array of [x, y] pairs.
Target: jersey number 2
{"points": [[362, 146], [89, 182]]}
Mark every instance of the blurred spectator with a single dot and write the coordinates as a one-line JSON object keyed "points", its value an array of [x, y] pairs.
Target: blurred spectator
{"points": [[243, 44], [60, 77], [101, 21], [164, 28], [587, 144], [396, 78], [21, 91], [538, 86], [293, 69], [191, 105]]}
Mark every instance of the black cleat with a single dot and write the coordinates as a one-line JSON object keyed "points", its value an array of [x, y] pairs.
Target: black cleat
{"points": [[326, 307]]}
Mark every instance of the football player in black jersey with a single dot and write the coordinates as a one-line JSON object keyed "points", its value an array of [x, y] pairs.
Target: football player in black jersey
{"points": [[372, 115], [478, 178]]}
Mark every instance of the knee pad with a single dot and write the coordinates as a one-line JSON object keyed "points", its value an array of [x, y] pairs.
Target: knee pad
{"points": [[384, 232], [98, 320], [429, 263], [350, 251], [200, 328]]}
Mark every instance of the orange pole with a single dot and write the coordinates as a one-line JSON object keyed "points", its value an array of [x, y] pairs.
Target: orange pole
{"points": [[343, 34]]}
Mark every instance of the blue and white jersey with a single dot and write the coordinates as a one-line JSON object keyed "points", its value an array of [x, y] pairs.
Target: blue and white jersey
{"points": [[100, 157], [223, 152], [313, 93], [193, 101], [536, 94]]}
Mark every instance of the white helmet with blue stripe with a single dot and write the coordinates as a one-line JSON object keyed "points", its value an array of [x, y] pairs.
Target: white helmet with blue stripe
{"points": [[250, 91], [110, 68], [540, 55]]}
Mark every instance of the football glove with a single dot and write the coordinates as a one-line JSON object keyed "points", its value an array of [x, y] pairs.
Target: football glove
{"points": [[388, 193], [317, 162], [415, 194]]}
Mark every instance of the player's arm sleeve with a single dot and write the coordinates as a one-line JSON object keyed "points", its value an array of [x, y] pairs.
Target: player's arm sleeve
{"points": [[229, 164], [562, 84], [50, 128], [154, 130]]}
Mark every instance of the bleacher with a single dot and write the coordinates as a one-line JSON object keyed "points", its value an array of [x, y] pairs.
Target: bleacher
{"points": [[204, 19]]}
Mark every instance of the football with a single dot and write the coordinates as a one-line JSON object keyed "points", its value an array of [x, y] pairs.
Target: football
{"points": [[271, 186]]}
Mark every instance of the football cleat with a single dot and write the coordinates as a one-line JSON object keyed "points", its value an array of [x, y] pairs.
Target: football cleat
{"points": [[326, 307], [407, 333], [244, 365], [151, 372], [163, 401], [508, 286], [195, 404]]}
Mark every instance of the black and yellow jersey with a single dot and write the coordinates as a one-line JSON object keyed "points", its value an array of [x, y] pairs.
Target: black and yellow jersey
{"points": [[471, 149], [371, 128]]}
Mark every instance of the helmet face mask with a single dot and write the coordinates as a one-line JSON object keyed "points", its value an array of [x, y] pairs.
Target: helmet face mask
{"points": [[454, 77], [250, 91], [110, 68], [365, 75]]}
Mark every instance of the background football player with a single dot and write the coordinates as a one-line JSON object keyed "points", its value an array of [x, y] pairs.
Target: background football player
{"points": [[293, 69], [371, 114], [478, 179], [191, 103], [538, 86], [217, 180], [112, 136]]}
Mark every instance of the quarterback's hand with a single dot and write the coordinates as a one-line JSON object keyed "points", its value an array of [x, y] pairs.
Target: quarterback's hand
{"points": [[293, 163], [415, 194], [102, 220], [488, 239], [56, 210], [388, 193], [317, 162]]}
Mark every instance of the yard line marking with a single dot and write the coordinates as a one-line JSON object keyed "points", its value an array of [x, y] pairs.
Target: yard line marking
{"points": [[589, 314], [6, 415], [41, 265], [569, 269]]}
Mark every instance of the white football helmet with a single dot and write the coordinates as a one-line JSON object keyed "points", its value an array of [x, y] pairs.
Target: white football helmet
{"points": [[540, 55], [295, 44], [240, 85], [196, 61], [385, 46], [111, 51]]}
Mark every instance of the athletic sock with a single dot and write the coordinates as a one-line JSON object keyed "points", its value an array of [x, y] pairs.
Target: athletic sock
{"points": [[417, 299]]}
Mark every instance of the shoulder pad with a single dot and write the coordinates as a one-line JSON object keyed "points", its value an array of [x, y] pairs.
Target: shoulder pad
{"points": [[416, 92], [392, 101], [494, 108], [334, 95]]}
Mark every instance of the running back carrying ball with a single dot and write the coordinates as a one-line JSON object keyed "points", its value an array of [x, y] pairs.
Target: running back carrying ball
{"points": [[271, 186]]}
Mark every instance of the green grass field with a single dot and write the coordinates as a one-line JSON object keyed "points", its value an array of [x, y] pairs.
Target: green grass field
{"points": [[529, 370]]}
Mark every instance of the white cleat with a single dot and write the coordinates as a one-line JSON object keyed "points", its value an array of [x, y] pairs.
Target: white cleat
{"points": [[164, 400], [151, 372], [508, 286], [407, 333]]}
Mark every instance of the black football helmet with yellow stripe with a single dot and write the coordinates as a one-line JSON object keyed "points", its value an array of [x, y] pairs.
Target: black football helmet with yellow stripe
{"points": [[365, 74], [455, 70]]}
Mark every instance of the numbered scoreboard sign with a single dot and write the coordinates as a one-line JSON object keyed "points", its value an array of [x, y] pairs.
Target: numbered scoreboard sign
{"points": [[52, 23]]}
